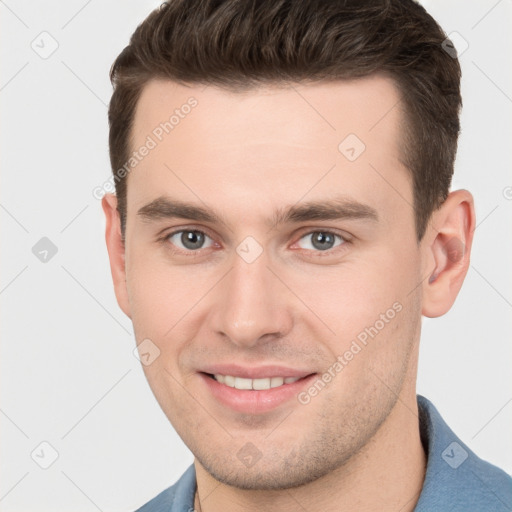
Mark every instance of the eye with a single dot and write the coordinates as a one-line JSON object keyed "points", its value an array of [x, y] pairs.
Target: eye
{"points": [[321, 240], [189, 239]]}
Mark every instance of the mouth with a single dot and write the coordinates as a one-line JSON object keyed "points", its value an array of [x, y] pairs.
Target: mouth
{"points": [[257, 395]]}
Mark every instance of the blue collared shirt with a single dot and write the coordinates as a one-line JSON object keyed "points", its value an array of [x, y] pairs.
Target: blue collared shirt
{"points": [[456, 479]]}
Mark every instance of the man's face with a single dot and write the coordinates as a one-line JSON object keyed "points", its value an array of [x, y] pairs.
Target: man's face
{"points": [[251, 292]]}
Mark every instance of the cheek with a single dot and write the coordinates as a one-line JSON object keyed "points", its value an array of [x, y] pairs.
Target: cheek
{"points": [[160, 299], [363, 300], [159, 295], [168, 308], [350, 297]]}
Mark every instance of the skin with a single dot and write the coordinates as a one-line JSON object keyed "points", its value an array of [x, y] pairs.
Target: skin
{"points": [[356, 444]]}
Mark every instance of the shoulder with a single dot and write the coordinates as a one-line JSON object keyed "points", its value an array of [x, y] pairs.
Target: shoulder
{"points": [[179, 497], [456, 478]]}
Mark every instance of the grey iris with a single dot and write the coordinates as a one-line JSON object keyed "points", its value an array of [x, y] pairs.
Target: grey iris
{"points": [[192, 239], [322, 241]]}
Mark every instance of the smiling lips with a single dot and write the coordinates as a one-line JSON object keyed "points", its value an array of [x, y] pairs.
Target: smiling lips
{"points": [[254, 390]]}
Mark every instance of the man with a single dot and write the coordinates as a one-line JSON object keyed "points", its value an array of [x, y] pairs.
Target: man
{"points": [[282, 221]]}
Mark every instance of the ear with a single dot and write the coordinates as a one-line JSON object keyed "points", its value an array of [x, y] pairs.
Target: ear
{"points": [[116, 251], [446, 251]]}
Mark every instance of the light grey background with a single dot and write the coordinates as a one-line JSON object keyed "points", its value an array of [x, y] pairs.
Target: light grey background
{"points": [[68, 374]]}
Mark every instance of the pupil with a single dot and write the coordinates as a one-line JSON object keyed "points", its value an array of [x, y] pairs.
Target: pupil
{"points": [[192, 239], [323, 241]]}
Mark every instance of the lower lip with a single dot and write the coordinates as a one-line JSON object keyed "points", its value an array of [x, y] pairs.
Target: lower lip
{"points": [[250, 401]]}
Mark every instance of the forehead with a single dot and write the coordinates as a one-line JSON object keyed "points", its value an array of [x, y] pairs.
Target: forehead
{"points": [[274, 140], [327, 108]]}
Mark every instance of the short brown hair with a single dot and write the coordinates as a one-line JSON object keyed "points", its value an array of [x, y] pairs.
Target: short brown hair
{"points": [[238, 44]]}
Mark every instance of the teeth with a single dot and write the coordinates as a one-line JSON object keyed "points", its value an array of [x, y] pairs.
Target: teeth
{"points": [[257, 384], [261, 384], [241, 383], [276, 381]]}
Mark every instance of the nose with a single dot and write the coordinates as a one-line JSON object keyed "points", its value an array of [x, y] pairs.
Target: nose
{"points": [[252, 306]]}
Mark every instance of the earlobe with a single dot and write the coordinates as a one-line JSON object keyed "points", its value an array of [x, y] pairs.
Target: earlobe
{"points": [[448, 246], [116, 251]]}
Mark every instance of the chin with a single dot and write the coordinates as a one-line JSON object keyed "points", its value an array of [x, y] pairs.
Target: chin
{"points": [[265, 475]]}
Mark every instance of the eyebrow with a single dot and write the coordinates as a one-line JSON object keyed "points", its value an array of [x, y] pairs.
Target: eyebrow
{"points": [[330, 209]]}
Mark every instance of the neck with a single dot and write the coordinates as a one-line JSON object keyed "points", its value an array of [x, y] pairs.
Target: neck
{"points": [[386, 474]]}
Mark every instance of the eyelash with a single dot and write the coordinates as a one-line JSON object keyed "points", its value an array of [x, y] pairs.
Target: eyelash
{"points": [[197, 253]]}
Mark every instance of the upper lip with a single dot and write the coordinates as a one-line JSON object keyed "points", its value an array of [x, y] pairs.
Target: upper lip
{"points": [[260, 372]]}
